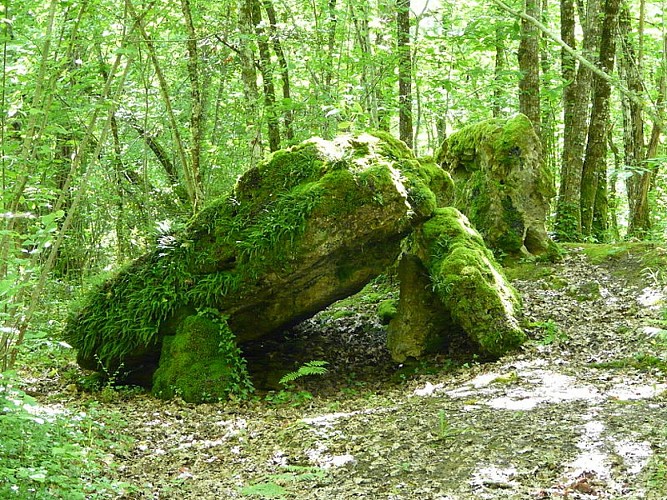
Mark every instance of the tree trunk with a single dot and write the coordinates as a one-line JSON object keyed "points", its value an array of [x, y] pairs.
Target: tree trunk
{"points": [[250, 89], [288, 116], [197, 104], [637, 152], [576, 99], [404, 72], [266, 70], [499, 68], [593, 221], [529, 65], [369, 71], [193, 189]]}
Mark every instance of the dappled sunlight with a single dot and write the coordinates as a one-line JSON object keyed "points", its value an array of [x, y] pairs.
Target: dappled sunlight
{"points": [[651, 297]]}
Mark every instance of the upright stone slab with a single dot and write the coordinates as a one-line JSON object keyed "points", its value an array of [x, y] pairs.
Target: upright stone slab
{"points": [[465, 292], [502, 184]]}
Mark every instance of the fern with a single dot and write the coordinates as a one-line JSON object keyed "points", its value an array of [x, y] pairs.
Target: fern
{"points": [[309, 368]]}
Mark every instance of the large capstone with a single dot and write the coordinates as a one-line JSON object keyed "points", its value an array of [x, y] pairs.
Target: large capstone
{"points": [[502, 184]]}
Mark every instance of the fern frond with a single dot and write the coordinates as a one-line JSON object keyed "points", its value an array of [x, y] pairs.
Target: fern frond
{"points": [[316, 367]]}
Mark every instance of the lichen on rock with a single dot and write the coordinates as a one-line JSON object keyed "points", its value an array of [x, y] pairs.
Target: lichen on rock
{"points": [[502, 184]]}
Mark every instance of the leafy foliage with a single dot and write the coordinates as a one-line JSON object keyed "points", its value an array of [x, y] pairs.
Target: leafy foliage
{"points": [[47, 455], [310, 368]]}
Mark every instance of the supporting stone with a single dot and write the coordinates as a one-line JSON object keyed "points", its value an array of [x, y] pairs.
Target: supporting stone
{"points": [[452, 279]]}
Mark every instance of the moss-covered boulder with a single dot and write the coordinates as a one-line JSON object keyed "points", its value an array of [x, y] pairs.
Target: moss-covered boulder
{"points": [[502, 184], [310, 225], [451, 284], [201, 362]]}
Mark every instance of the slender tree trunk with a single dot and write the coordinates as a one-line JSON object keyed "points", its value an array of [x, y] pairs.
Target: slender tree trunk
{"points": [[499, 68], [107, 99], [250, 89], [197, 100], [32, 129], [633, 125], [288, 115], [576, 99], [266, 70], [193, 189], [369, 72], [637, 152], [331, 43], [529, 65], [593, 179], [614, 231], [550, 107], [404, 71]]}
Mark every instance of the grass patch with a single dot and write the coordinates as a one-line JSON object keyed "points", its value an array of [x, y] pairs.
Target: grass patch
{"points": [[656, 477], [642, 362]]}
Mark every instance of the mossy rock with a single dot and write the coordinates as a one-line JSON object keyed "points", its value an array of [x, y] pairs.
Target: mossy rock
{"points": [[308, 226], [193, 367], [502, 184], [471, 290], [421, 324]]}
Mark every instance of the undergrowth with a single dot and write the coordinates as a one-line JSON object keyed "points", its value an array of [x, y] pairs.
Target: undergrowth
{"points": [[46, 453]]}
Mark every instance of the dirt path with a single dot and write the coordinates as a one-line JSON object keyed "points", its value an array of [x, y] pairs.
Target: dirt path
{"points": [[553, 421]]}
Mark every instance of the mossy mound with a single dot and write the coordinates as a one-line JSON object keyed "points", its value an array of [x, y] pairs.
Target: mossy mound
{"points": [[502, 184], [201, 363], [308, 226], [467, 292]]}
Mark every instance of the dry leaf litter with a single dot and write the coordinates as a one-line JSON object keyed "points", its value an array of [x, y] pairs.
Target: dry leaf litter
{"points": [[546, 422]]}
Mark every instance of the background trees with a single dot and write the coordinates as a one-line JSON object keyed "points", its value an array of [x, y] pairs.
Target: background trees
{"points": [[119, 118]]}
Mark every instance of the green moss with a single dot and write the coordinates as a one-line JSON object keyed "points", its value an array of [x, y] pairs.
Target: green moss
{"points": [[200, 363], [387, 310], [470, 284], [502, 135], [527, 270], [279, 173], [429, 186], [230, 246], [642, 362], [599, 253]]}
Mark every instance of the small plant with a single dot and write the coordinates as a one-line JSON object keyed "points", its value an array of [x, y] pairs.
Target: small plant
{"points": [[46, 454], [507, 379], [445, 429], [656, 477], [264, 490], [549, 332], [655, 276], [310, 368], [292, 398], [239, 386], [275, 486]]}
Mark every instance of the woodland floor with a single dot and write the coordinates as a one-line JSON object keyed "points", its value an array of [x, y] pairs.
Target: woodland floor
{"points": [[580, 412]]}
